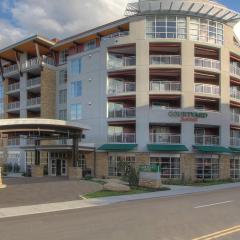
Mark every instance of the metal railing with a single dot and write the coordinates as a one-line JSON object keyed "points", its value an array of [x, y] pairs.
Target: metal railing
{"points": [[235, 118], [13, 105], [165, 86], [165, 138], [116, 35], [13, 141], [207, 140], [13, 87], [126, 87], [234, 69], [33, 82], [10, 69], [122, 113], [207, 88], [207, 63], [34, 101], [121, 61], [36, 62], [165, 59], [234, 141], [122, 138]]}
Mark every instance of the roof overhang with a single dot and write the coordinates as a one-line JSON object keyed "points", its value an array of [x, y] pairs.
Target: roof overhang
{"points": [[198, 8]]}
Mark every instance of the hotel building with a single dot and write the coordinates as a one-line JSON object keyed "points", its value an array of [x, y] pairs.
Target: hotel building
{"points": [[160, 86]]}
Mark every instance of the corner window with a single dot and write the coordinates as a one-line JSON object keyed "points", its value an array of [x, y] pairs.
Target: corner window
{"points": [[90, 45], [63, 56], [76, 66], [75, 111], [76, 89], [62, 77], [63, 96]]}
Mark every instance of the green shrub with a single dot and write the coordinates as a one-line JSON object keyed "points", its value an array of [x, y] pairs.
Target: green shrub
{"points": [[133, 177]]}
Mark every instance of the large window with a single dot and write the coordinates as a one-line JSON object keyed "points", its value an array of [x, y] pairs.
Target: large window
{"points": [[76, 89], [82, 161], [166, 27], [63, 96], [63, 56], [118, 165], [207, 168], [169, 166], [76, 66], [62, 77], [75, 111], [90, 45], [63, 114], [235, 168], [205, 30]]}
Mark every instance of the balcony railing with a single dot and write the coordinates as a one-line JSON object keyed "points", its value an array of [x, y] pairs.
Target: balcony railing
{"points": [[165, 138], [207, 63], [34, 101], [36, 62], [122, 138], [13, 141], [165, 59], [165, 86], [235, 118], [207, 140], [234, 141], [13, 105], [10, 69], [235, 69], [13, 87], [116, 35], [126, 87], [121, 61], [33, 82], [122, 113], [207, 88]]}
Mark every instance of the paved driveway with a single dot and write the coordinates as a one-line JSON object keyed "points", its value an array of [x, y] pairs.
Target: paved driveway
{"points": [[30, 191]]}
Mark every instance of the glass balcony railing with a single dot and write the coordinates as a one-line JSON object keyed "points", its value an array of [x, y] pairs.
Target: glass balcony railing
{"points": [[10, 69], [165, 86], [165, 138], [13, 141], [235, 117], [33, 82], [116, 61], [13, 105], [116, 35], [165, 59], [207, 140], [235, 141], [207, 89], [122, 113], [122, 138], [207, 63], [235, 94], [13, 87], [34, 101], [235, 69], [126, 87]]}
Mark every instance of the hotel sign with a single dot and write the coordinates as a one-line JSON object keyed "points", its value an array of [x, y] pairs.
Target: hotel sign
{"points": [[188, 116]]}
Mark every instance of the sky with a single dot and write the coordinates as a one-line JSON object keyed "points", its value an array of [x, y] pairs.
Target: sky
{"points": [[61, 18]]}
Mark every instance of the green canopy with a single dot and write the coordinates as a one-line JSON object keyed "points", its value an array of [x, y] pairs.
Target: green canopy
{"points": [[166, 148], [211, 149], [117, 147], [235, 150]]}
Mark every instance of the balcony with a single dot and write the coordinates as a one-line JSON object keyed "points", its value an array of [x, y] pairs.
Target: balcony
{"points": [[207, 89], [235, 142], [165, 59], [206, 140], [165, 138], [34, 101], [116, 35], [33, 82], [235, 69], [12, 69], [207, 63], [37, 62], [122, 138], [14, 87], [235, 118], [126, 87], [13, 105], [122, 113], [13, 141], [121, 61], [165, 86]]}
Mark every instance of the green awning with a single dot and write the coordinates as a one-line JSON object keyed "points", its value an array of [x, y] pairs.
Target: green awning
{"points": [[166, 148], [211, 149], [117, 147], [235, 150]]}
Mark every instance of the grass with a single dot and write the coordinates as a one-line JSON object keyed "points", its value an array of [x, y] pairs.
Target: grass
{"points": [[198, 183], [99, 181], [134, 190]]}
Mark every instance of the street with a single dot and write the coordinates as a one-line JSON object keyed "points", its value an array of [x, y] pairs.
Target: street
{"points": [[176, 218]]}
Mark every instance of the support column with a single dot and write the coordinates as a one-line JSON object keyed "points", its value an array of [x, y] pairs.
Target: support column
{"points": [[37, 169], [1, 183]]}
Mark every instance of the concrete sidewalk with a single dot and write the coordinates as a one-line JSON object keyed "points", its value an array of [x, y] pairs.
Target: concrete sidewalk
{"points": [[78, 204]]}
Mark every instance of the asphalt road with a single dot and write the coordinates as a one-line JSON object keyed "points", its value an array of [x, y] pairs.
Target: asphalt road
{"points": [[176, 218]]}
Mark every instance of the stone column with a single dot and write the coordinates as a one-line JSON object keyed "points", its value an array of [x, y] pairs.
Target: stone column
{"points": [[224, 168]]}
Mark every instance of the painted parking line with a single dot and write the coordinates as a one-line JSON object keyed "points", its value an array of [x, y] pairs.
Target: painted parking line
{"points": [[219, 234], [213, 204]]}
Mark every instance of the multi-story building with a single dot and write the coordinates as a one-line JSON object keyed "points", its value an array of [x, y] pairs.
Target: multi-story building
{"points": [[161, 86]]}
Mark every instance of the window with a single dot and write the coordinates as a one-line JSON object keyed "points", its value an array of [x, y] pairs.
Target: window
{"points": [[207, 168], [235, 168], [166, 27], [76, 89], [76, 66], [62, 77], [169, 166], [90, 45], [63, 56], [63, 96], [205, 30], [118, 165], [62, 114], [75, 111], [82, 161]]}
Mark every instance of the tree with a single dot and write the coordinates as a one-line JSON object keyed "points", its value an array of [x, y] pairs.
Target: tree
{"points": [[133, 177]]}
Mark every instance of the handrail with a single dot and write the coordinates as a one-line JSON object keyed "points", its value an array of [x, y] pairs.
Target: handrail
{"points": [[207, 88], [123, 88], [207, 63], [122, 113], [165, 59], [165, 86], [207, 140], [165, 138], [122, 138]]}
